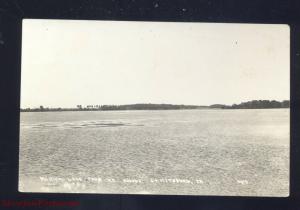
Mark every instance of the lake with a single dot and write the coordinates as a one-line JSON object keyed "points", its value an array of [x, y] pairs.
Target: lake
{"points": [[193, 152]]}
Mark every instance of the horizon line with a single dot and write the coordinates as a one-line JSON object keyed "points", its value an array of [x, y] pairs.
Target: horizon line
{"points": [[76, 106]]}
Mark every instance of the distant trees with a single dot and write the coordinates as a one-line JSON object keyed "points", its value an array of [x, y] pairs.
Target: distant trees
{"points": [[118, 107], [217, 106], [254, 104], [285, 104], [147, 107], [258, 104]]}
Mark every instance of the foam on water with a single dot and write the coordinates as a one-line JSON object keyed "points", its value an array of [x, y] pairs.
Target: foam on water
{"points": [[77, 124]]}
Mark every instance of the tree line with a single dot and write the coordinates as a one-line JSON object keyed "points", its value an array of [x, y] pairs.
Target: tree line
{"points": [[118, 107], [255, 104]]}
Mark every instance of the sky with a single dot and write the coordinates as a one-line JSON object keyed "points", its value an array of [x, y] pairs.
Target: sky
{"points": [[67, 63]]}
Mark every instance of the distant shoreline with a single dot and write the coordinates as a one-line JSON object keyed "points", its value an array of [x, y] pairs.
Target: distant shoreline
{"points": [[93, 110], [254, 104]]}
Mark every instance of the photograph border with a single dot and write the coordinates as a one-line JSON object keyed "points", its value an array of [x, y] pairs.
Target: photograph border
{"points": [[232, 11]]}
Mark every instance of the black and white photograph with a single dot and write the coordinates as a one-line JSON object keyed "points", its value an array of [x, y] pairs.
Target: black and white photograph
{"points": [[159, 108]]}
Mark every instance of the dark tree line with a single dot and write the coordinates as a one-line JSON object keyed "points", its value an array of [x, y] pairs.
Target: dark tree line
{"points": [[255, 104], [147, 107], [118, 107]]}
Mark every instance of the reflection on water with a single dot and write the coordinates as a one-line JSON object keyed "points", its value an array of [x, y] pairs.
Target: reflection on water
{"points": [[200, 152]]}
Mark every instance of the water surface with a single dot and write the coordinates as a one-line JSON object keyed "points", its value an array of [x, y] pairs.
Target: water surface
{"points": [[195, 152]]}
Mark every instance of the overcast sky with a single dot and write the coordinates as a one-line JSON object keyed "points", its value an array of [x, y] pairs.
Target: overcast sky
{"points": [[66, 63]]}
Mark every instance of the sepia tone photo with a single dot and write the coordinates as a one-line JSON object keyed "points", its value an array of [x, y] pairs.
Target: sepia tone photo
{"points": [[164, 108]]}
